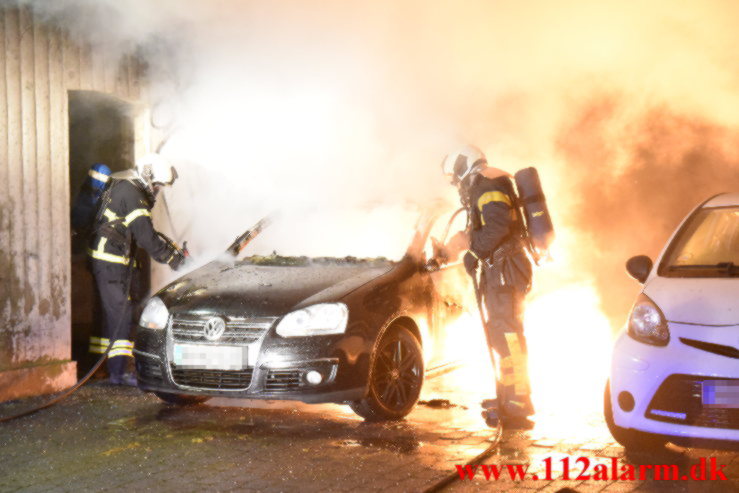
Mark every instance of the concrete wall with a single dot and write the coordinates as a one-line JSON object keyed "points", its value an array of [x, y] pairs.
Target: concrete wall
{"points": [[39, 64]]}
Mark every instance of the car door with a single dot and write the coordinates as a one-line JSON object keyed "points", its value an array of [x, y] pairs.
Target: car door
{"points": [[453, 292]]}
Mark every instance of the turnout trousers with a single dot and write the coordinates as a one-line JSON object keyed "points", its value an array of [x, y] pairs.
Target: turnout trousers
{"points": [[114, 285], [505, 337]]}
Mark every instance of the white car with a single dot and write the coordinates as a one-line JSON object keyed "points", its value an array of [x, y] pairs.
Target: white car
{"points": [[675, 367]]}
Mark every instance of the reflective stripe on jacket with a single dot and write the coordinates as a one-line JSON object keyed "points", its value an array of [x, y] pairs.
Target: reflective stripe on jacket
{"points": [[494, 218], [125, 218]]}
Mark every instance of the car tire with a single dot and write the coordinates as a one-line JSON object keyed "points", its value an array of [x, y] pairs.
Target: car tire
{"points": [[632, 440], [395, 377], [181, 399]]}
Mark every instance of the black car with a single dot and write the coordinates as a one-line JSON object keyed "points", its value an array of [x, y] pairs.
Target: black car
{"points": [[363, 332]]}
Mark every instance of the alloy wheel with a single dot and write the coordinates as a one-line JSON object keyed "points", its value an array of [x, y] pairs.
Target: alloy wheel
{"points": [[398, 373]]}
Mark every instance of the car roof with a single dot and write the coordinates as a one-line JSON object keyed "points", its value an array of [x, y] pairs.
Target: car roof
{"points": [[723, 200]]}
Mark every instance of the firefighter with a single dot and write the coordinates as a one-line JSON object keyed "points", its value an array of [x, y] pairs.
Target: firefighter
{"points": [[124, 222], [83, 214], [86, 204], [497, 254]]}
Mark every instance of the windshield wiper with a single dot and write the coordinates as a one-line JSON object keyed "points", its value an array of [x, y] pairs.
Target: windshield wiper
{"points": [[728, 267], [245, 238]]}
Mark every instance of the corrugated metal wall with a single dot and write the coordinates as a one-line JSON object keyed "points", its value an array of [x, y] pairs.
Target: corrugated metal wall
{"points": [[39, 63]]}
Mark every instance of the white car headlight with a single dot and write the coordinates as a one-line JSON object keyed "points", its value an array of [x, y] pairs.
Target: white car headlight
{"points": [[155, 314], [647, 323], [314, 320]]}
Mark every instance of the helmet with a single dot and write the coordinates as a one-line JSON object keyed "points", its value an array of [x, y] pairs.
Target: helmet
{"points": [[153, 170], [99, 175], [462, 163]]}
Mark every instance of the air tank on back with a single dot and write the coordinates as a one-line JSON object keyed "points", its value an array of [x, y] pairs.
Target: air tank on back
{"points": [[534, 208]]}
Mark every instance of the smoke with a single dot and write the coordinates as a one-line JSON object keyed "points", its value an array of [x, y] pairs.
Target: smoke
{"points": [[662, 164], [629, 111]]}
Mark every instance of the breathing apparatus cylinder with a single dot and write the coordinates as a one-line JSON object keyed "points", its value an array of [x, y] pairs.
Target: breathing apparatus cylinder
{"points": [[536, 215]]}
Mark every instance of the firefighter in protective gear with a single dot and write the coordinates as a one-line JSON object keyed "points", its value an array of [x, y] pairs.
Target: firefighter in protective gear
{"points": [[86, 204], [124, 223], [497, 253]]}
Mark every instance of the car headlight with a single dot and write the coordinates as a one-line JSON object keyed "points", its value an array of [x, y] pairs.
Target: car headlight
{"points": [[647, 323], [314, 320], [155, 314]]}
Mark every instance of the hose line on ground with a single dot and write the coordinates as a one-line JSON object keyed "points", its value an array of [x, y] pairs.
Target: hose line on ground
{"points": [[71, 390], [440, 485]]}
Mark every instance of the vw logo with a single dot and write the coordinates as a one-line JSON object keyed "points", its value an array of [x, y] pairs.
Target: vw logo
{"points": [[214, 328]]}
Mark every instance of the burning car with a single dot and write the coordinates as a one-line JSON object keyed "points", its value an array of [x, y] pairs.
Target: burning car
{"points": [[675, 368], [363, 332]]}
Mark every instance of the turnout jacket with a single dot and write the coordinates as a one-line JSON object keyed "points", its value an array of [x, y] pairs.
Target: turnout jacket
{"points": [[124, 221], [497, 231]]}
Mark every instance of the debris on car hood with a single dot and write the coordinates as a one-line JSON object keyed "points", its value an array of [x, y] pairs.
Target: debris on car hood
{"points": [[277, 260], [270, 285]]}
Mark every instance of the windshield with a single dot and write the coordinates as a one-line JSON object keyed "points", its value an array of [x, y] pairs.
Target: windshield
{"points": [[707, 246], [380, 232]]}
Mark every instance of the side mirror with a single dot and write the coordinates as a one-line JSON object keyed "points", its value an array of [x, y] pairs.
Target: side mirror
{"points": [[639, 267]]}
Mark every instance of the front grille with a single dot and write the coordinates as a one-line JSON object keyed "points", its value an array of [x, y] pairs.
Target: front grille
{"points": [[189, 328], [681, 395], [283, 380], [148, 370], [213, 379]]}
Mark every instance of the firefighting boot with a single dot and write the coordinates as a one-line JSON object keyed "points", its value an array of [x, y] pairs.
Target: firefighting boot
{"points": [[516, 423], [126, 379], [490, 412], [118, 374], [514, 414]]}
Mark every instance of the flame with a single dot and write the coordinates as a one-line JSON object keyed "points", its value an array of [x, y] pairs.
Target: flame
{"points": [[569, 345], [569, 341]]}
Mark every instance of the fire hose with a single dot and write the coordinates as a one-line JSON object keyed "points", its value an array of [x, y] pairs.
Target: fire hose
{"points": [[490, 450], [71, 390], [237, 246], [66, 393], [476, 461]]}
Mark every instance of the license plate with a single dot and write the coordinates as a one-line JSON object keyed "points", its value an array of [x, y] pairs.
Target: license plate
{"points": [[210, 357], [720, 394]]}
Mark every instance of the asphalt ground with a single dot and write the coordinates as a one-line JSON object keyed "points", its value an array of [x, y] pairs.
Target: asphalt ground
{"points": [[109, 438]]}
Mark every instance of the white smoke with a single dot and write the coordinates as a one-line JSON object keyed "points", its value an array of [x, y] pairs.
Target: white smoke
{"points": [[313, 107]]}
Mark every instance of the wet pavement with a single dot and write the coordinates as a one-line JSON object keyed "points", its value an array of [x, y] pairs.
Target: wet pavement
{"points": [[105, 438]]}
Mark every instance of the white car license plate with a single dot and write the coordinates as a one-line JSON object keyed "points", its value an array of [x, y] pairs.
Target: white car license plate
{"points": [[195, 356], [720, 393]]}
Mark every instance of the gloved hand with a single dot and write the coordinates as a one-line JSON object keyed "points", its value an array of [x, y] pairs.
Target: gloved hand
{"points": [[440, 253], [456, 245], [178, 258], [470, 264]]}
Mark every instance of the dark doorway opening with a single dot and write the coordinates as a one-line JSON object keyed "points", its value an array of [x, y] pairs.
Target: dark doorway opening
{"points": [[101, 130]]}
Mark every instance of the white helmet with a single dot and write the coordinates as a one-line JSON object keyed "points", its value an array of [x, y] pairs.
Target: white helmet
{"points": [[154, 169], [462, 163]]}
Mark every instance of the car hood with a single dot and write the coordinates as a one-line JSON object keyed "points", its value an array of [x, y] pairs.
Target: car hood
{"points": [[249, 290], [696, 300]]}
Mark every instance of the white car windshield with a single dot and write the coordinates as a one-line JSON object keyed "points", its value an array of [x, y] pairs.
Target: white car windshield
{"points": [[710, 241]]}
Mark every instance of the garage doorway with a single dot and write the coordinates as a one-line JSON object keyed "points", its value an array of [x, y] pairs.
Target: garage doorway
{"points": [[101, 130]]}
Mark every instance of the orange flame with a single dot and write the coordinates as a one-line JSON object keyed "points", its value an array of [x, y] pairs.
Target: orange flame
{"points": [[569, 339], [569, 344]]}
